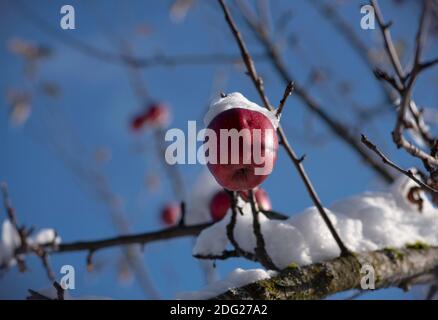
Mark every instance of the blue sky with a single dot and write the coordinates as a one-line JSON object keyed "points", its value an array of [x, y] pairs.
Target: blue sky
{"points": [[96, 103]]}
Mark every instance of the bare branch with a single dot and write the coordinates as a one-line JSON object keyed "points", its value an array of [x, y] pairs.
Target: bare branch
{"points": [[225, 255], [260, 249], [390, 48], [386, 160], [382, 75], [287, 93], [140, 238]]}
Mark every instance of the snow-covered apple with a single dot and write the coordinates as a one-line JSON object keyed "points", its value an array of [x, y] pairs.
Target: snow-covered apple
{"points": [[171, 213], [246, 142]]}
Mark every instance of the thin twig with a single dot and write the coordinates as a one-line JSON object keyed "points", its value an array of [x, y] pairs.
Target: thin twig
{"points": [[59, 290], [390, 48], [225, 255], [230, 229], [386, 160], [139, 238], [287, 93], [260, 249], [47, 266]]}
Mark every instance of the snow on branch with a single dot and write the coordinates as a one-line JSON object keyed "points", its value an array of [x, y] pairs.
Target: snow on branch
{"points": [[373, 224], [393, 268]]}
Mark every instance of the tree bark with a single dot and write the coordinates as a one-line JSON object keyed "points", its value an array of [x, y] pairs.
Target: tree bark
{"points": [[393, 267]]}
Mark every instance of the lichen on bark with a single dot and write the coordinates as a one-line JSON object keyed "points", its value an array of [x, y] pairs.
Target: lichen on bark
{"points": [[392, 267]]}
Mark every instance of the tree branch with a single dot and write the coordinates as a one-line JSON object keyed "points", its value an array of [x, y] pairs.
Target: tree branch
{"points": [[392, 268], [140, 238], [386, 160], [260, 248], [389, 45]]}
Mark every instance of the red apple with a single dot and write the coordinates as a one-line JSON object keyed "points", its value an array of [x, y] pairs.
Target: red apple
{"points": [[221, 203], [171, 213], [245, 174]]}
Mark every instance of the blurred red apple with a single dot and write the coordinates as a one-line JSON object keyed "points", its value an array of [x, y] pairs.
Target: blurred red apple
{"points": [[219, 205], [246, 173], [156, 115], [171, 213], [137, 122]]}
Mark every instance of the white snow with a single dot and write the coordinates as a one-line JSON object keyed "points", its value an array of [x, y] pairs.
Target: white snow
{"points": [[365, 222], [45, 237], [237, 100], [237, 278], [198, 204], [10, 241]]}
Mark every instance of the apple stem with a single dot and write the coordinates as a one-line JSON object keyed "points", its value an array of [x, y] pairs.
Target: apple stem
{"points": [[260, 249], [232, 224]]}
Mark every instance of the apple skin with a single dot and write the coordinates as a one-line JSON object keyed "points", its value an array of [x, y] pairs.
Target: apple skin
{"points": [[220, 203], [241, 176], [171, 214], [263, 200]]}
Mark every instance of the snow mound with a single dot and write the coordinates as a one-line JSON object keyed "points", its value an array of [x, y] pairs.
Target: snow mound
{"points": [[237, 278], [237, 100], [10, 241], [369, 221]]}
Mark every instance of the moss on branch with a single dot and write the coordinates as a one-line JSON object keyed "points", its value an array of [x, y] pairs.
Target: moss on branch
{"points": [[393, 267]]}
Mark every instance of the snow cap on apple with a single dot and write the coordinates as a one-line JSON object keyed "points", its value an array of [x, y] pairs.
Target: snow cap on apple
{"points": [[237, 100], [245, 164]]}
